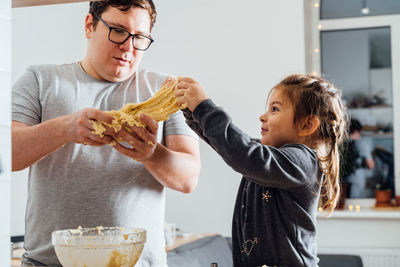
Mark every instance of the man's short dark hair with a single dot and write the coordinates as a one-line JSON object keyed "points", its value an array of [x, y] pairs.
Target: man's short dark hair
{"points": [[98, 7], [355, 125]]}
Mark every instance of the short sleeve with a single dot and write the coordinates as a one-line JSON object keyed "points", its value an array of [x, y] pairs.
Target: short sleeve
{"points": [[25, 98], [176, 125], [365, 147]]}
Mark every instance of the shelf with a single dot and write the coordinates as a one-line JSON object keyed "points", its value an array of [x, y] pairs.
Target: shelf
{"points": [[372, 107], [368, 213], [378, 136]]}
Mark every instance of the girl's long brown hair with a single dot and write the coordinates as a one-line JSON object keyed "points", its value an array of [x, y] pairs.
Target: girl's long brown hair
{"points": [[314, 96]]}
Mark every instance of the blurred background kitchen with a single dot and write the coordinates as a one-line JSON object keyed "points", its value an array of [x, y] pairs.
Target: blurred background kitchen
{"points": [[238, 51]]}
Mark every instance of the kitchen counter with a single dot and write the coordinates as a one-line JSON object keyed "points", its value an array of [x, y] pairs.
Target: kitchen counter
{"points": [[370, 233]]}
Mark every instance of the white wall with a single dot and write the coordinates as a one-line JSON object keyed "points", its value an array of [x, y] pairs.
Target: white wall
{"points": [[42, 35], [5, 137], [201, 39]]}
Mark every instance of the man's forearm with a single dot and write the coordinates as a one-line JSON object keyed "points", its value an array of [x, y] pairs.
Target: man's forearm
{"points": [[175, 170], [32, 143]]}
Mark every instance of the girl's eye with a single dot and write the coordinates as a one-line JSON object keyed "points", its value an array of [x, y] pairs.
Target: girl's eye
{"points": [[274, 109]]}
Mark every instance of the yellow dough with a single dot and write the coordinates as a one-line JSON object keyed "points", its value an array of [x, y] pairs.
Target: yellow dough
{"points": [[159, 107]]}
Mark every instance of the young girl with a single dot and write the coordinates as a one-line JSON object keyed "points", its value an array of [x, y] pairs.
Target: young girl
{"points": [[284, 174]]}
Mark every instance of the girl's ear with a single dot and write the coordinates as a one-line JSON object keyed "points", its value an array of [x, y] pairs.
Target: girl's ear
{"points": [[308, 126]]}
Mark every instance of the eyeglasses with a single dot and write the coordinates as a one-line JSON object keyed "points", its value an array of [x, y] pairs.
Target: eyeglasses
{"points": [[119, 36]]}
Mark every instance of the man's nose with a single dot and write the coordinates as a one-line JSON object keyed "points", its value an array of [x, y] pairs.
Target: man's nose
{"points": [[127, 45]]}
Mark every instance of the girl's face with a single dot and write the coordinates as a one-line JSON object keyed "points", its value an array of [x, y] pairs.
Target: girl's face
{"points": [[277, 127]]}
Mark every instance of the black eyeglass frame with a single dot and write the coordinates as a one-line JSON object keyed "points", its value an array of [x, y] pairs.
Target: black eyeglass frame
{"points": [[133, 35]]}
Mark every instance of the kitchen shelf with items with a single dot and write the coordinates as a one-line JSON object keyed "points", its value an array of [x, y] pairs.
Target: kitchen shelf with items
{"points": [[373, 105], [375, 113], [360, 61], [376, 116]]}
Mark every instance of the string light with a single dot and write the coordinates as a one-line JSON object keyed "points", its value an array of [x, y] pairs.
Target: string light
{"points": [[364, 8], [316, 5], [358, 208], [316, 50], [351, 207], [319, 27]]}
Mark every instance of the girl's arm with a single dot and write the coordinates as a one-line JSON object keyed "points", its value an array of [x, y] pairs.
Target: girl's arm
{"points": [[193, 124], [288, 167]]}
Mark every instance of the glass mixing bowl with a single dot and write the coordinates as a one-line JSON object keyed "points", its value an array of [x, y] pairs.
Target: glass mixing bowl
{"points": [[99, 246]]}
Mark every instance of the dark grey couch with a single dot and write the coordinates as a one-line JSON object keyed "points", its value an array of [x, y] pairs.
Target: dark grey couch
{"points": [[217, 249], [202, 252]]}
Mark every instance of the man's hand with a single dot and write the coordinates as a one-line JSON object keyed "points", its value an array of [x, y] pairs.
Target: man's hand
{"points": [[78, 128], [190, 92], [142, 140]]}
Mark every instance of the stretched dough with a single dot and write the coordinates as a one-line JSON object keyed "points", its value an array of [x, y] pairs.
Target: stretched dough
{"points": [[159, 107]]}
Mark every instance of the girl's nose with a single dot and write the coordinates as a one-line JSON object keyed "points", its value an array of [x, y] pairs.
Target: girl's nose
{"points": [[263, 117]]}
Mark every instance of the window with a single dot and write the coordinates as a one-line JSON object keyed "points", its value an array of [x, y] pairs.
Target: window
{"points": [[332, 9], [361, 55]]}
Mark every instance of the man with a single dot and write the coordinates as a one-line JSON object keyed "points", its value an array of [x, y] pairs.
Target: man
{"points": [[357, 160], [76, 178]]}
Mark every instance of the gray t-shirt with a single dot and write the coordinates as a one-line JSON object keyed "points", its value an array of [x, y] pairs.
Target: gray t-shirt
{"points": [[87, 186], [358, 178]]}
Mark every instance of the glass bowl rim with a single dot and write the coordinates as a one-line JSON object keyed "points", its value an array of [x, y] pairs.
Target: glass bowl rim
{"points": [[74, 237]]}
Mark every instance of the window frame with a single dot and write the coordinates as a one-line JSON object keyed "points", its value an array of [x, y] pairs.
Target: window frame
{"points": [[313, 27]]}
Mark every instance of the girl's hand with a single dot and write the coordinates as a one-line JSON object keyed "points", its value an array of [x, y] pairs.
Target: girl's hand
{"points": [[190, 92]]}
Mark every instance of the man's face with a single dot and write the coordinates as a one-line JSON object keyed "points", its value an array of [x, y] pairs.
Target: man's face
{"points": [[110, 61]]}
